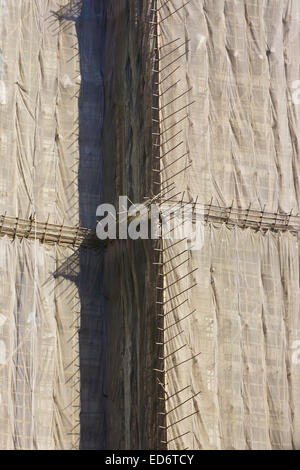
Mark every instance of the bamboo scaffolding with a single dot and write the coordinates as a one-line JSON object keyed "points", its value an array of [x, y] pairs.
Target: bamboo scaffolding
{"points": [[45, 232]]}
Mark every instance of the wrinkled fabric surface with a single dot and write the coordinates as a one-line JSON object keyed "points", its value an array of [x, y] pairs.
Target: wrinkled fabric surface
{"points": [[229, 118], [229, 128], [40, 79], [51, 104], [244, 385], [237, 68], [38, 364]]}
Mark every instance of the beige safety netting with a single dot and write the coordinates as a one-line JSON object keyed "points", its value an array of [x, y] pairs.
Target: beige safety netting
{"points": [[228, 74], [39, 84], [243, 317], [38, 113], [229, 130], [237, 68], [38, 348], [49, 57], [216, 330]]}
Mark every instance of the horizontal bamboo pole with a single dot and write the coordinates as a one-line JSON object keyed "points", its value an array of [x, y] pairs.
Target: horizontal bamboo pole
{"points": [[45, 232]]}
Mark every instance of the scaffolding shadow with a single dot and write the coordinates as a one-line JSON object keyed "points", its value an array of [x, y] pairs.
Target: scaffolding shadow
{"points": [[84, 267]]}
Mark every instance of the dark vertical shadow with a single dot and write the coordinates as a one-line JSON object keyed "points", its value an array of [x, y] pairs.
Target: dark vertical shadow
{"points": [[130, 277], [85, 267], [118, 328], [90, 27]]}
